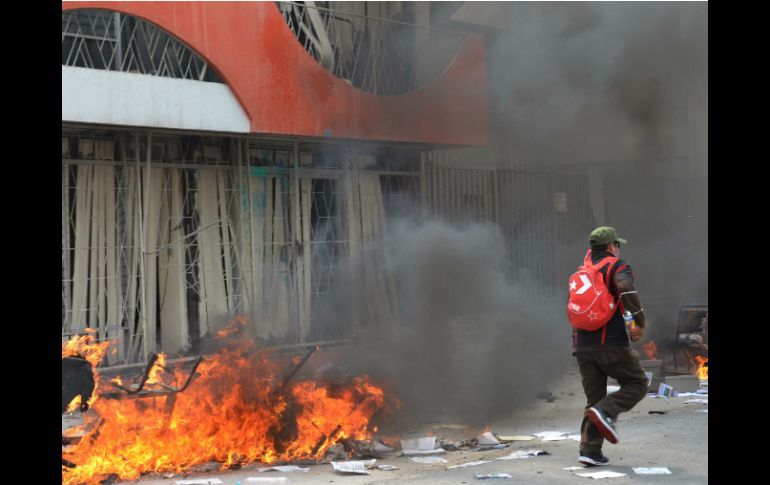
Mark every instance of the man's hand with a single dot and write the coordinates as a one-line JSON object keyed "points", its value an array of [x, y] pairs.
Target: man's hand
{"points": [[635, 333]]}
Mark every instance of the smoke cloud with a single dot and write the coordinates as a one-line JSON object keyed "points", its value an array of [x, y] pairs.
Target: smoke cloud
{"points": [[468, 343]]}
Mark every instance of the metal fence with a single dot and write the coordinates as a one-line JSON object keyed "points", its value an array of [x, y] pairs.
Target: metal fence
{"points": [[544, 216], [166, 236]]}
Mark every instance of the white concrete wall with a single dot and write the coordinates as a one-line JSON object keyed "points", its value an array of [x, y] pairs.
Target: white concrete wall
{"points": [[121, 98]]}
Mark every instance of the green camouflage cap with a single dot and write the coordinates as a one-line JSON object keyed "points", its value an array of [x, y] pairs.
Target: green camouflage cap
{"points": [[604, 235]]}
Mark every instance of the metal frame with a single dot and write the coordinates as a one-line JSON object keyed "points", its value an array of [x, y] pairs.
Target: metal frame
{"points": [[102, 39], [145, 152], [374, 54]]}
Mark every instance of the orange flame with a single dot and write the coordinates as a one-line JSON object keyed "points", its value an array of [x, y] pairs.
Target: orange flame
{"points": [[74, 405], [236, 326], [703, 368], [153, 377], [231, 413], [651, 350], [85, 347]]}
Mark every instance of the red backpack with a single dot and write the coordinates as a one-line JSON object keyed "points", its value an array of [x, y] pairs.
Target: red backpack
{"points": [[591, 305]]}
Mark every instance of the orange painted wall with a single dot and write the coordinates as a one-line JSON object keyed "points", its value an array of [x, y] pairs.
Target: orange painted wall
{"points": [[284, 91]]}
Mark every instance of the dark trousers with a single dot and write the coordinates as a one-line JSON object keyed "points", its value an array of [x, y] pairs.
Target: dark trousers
{"points": [[620, 363]]}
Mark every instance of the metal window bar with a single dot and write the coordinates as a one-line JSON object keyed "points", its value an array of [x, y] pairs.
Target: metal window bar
{"points": [[102, 39], [374, 54]]}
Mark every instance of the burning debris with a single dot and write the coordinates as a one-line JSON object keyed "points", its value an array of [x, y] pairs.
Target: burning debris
{"points": [[235, 410], [651, 350], [702, 370]]}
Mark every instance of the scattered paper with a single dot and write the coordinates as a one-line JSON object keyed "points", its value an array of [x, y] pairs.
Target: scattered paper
{"points": [[487, 439], [649, 378], [556, 436], [284, 468], [427, 459], [688, 394], [664, 390], [492, 475], [199, 481], [268, 481], [387, 468], [516, 438], [697, 401], [358, 467], [552, 435], [570, 468], [437, 451], [421, 446], [652, 471], [598, 475], [611, 389], [465, 465], [523, 454], [702, 411], [426, 443]]}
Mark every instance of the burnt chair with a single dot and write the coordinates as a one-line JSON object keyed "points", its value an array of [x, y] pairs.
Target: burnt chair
{"points": [[691, 337]]}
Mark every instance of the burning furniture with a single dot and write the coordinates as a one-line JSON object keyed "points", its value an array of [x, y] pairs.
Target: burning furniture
{"points": [[691, 340], [77, 380], [238, 407]]}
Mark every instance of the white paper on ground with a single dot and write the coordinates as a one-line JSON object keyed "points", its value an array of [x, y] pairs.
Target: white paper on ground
{"points": [[664, 390], [358, 467], [284, 468], [575, 468], [387, 468], [557, 436], [648, 375], [598, 475], [517, 438], [652, 471], [697, 401], [487, 438], [422, 444], [437, 451], [492, 475], [199, 481], [552, 435], [427, 459], [472, 463], [702, 411], [688, 394], [522, 454], [611, 389], [268, 481]]}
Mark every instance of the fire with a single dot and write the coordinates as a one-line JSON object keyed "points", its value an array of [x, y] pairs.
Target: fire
{"points": [[234, 412], [651, 350], [703, 368], [74, 405], [84, 346], [154, 374]]}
